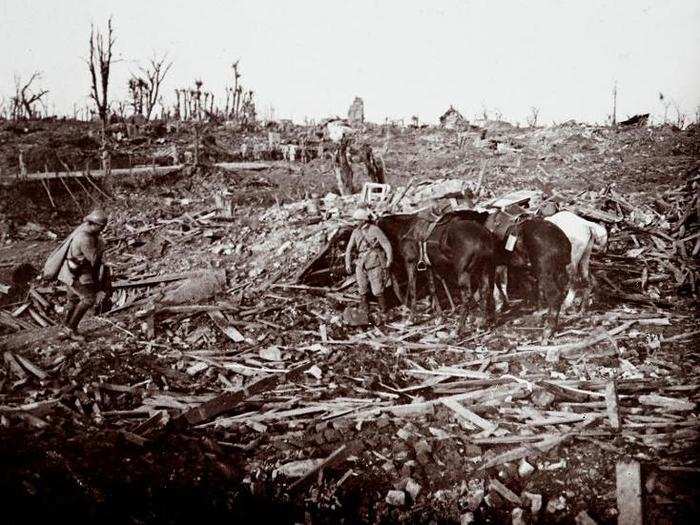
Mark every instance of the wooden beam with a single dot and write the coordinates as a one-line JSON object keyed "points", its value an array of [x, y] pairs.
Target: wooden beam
{"points": [[468, 415], [229, 400], [629, 492], [337, 456], [612, 408]]}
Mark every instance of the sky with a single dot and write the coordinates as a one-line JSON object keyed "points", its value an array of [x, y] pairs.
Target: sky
{"points": [[310, 59]]}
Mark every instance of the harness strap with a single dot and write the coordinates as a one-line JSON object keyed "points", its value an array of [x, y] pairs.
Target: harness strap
{"points": [[424, 260]]}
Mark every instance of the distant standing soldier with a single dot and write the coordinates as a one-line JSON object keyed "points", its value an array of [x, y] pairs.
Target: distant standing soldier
{"points": [[374, 257], [83, 270]]}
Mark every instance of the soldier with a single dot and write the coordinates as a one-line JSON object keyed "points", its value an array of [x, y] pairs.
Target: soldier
{"points": [[84, 267], [374, 257]]}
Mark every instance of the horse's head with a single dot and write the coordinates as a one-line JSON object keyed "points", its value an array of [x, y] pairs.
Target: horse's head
{"points": [[600, 237]]}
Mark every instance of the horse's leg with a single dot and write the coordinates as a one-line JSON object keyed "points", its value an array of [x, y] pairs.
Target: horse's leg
{"points": [[487, 291], [397, 288], [411, 289], [447, 293], [586, 275], [572, 271], [501, 280], [434, 299], [553, 290], [465, 287]]}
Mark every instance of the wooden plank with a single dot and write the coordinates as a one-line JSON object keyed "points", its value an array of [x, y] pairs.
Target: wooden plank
{"points": [[629, 492], [37, 318], [226, 327], [669, 403], [512, 198], [229, 400], [336, 457], [39, 299], [468, 415], [14, 366], [504, 491], [26, 363], [451, 372], [20, 310], [10, 322], [612, 407], [142, 170], [170, 277], [593, 214], [535, 448]]}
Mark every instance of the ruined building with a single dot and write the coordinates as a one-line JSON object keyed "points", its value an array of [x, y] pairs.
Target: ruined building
{"points": [[356, 113], [452, 119]]}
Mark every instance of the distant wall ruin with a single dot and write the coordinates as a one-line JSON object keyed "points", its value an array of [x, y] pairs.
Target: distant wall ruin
{"points": [[356, 113]]}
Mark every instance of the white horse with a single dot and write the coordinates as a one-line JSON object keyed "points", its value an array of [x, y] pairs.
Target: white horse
{"points": [[585, 236]]}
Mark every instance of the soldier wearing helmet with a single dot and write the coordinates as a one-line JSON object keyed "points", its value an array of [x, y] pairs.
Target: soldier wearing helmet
{"points": [[84, 264], [374, 257]]}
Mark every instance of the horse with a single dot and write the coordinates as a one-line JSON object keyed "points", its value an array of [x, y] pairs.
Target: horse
{"points": [[584, 236], [456, 247], [543, 248]]}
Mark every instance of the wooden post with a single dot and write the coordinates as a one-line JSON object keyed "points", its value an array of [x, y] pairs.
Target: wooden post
{"points": [[612, 406], [629, 492]]}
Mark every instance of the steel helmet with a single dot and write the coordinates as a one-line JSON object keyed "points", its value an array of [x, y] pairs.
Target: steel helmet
{"points": [[97, 216], [361, 215]]}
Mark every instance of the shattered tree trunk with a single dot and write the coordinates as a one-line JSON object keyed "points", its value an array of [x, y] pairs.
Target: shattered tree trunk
{"points": [[343, 170], [375, 170]]}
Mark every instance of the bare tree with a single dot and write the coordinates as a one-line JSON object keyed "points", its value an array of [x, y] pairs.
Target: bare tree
{"points": [[153, 75], [137, 89], [236, 89], [121, 108], [614, 106], [100, 62], [681, 116], [247, 109], [532, 117], [24, 101]]}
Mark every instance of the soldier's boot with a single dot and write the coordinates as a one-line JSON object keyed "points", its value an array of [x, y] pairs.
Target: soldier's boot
{"points": [[70, 310], [81, 309], [382, 309], [364, 305], [65, 330]]}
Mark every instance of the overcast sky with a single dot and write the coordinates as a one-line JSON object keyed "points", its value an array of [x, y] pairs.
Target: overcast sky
{"points": [[403, 57]]}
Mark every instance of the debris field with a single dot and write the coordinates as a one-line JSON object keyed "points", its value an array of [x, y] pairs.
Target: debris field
{"points": [[222, 383]]}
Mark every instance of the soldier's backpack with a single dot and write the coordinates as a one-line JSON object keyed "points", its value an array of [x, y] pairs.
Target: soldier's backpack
{"points": [[54, 263]]}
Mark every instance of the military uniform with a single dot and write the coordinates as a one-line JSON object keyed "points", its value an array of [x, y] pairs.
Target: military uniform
{"points": [[84, 264], [374, 257]]}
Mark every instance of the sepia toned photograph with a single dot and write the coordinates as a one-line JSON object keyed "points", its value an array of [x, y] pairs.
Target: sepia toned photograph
{"points": [[374, 262]]}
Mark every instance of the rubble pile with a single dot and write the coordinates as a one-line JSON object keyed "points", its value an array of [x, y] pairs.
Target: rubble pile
{"points": [[215, 368]]}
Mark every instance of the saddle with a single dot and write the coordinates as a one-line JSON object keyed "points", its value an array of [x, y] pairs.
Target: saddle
{"points": [[421, 232]]}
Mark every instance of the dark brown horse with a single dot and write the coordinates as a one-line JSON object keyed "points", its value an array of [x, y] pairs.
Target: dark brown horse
{"points": [[543, 249], [459, 250]]}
